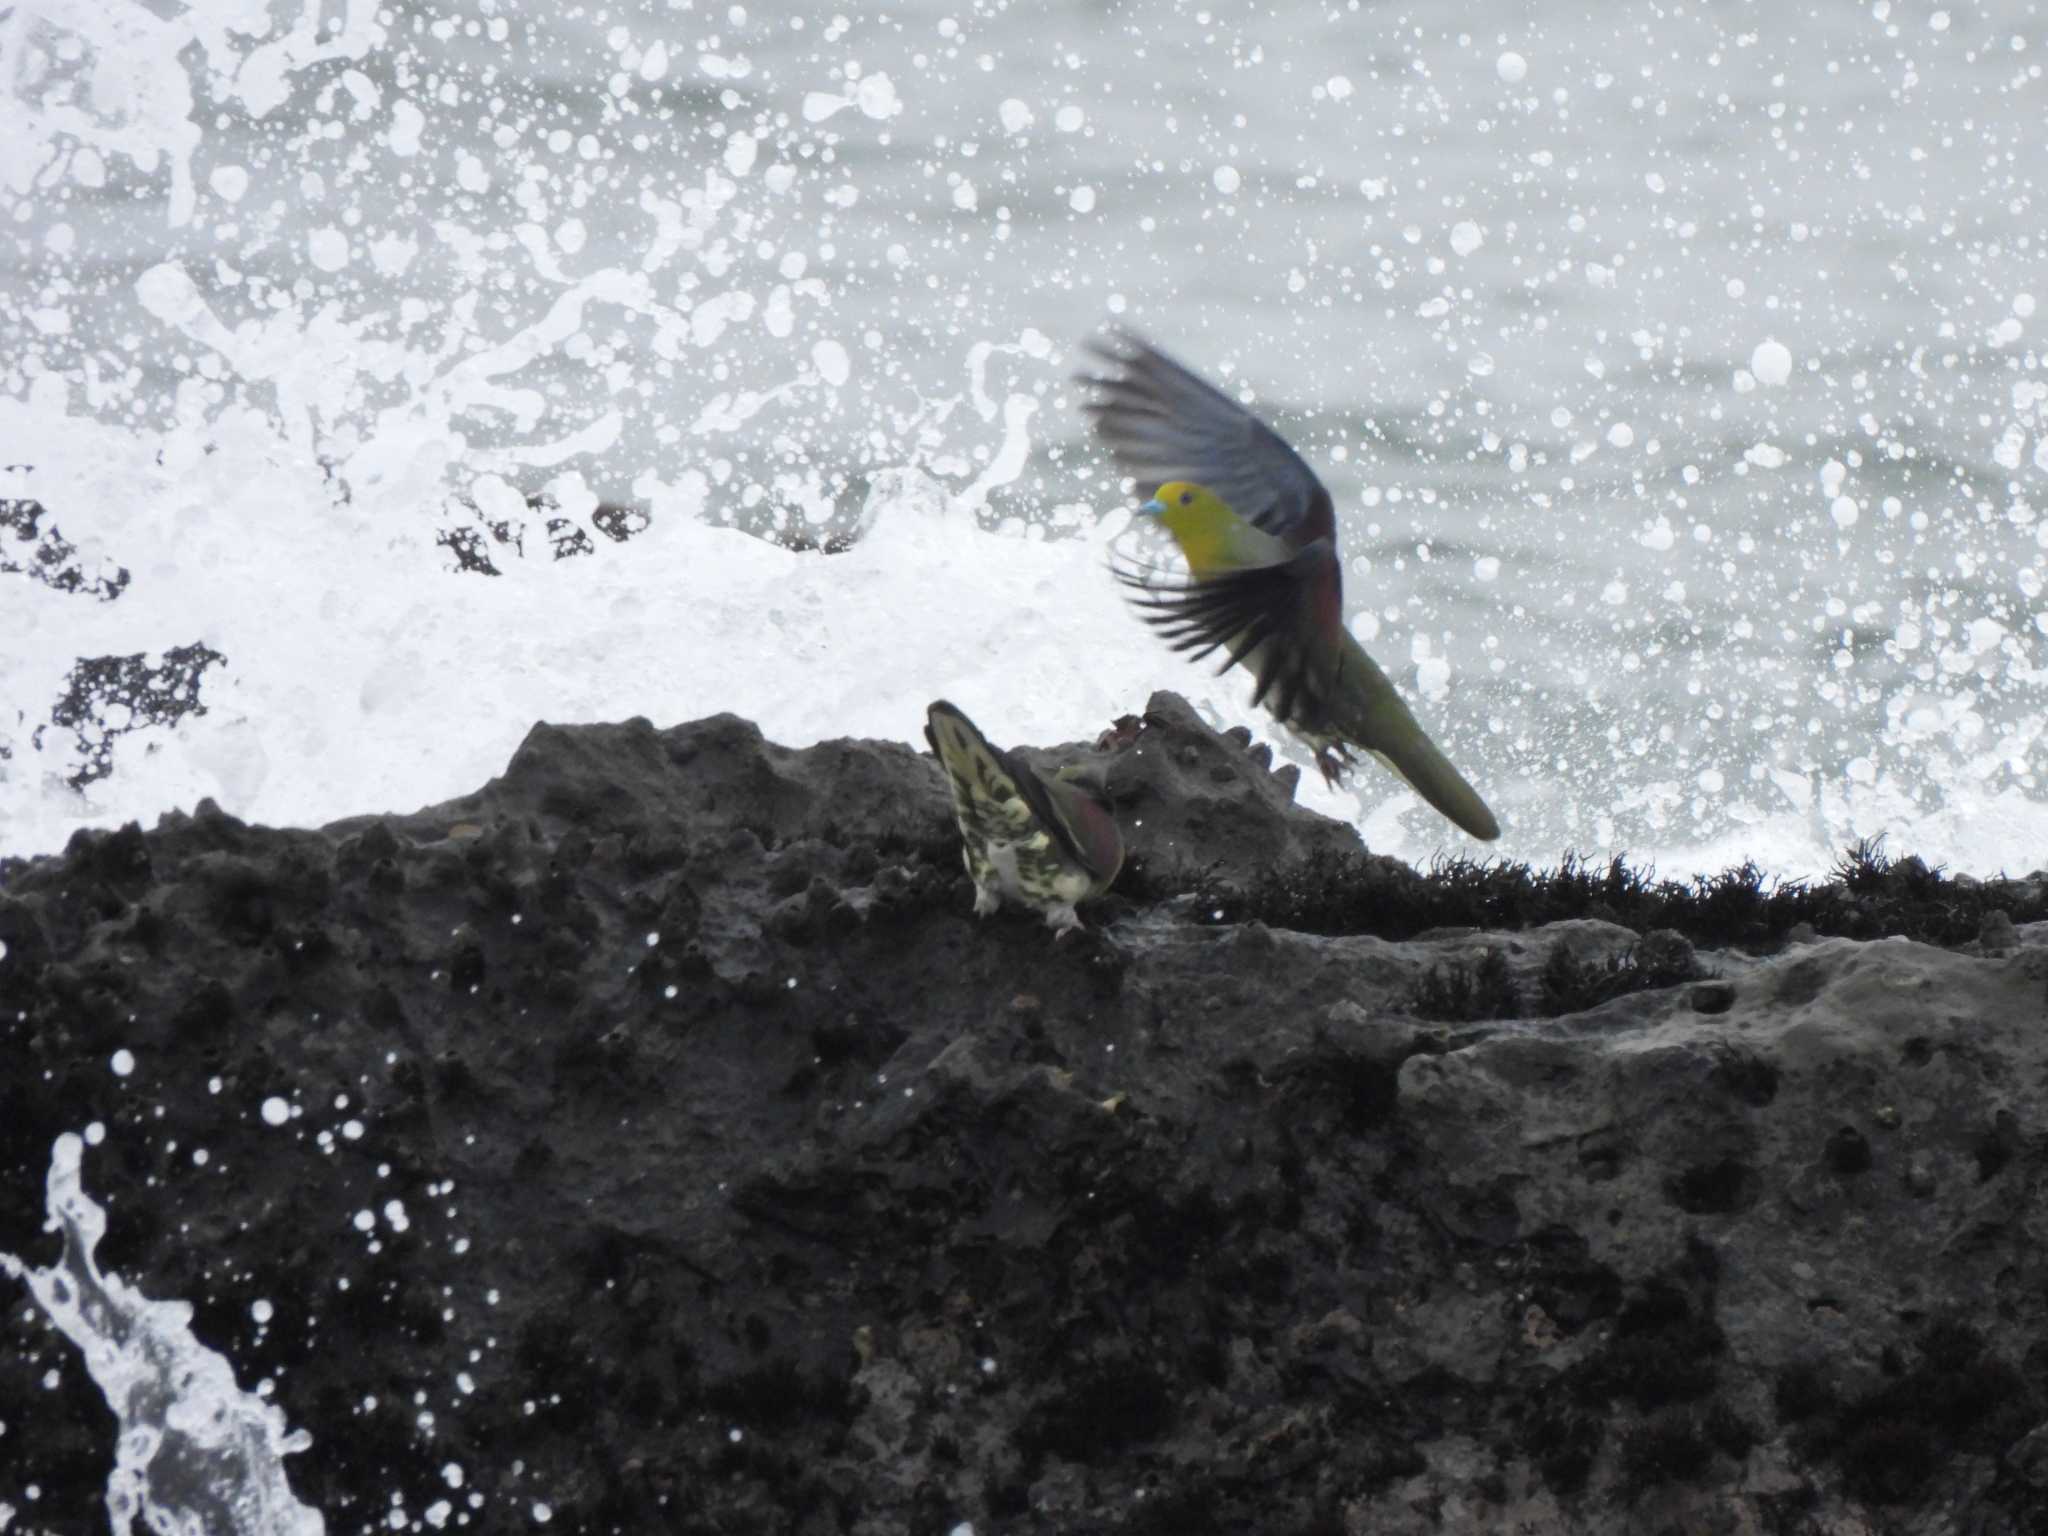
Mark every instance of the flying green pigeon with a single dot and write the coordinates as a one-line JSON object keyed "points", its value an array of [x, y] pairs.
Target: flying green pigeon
{"points": [[1047, 842], [1259, 534]]}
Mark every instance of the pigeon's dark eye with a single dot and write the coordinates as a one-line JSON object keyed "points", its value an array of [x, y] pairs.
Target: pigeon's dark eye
{"points": [[1186, 497]]}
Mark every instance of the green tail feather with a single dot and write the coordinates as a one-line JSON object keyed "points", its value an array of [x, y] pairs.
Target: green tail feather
{"points": [[1419, 762], [1381, 722]]}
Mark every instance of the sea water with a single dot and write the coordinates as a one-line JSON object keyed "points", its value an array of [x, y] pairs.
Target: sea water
{"points": [[193, 1451], [386, 377]]}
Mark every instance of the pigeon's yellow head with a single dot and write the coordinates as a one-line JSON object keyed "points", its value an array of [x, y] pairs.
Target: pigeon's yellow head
{"points": [[1201, 524]]}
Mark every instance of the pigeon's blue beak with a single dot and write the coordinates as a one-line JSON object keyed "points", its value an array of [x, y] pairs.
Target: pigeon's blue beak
{"points": [[1153, 508]]}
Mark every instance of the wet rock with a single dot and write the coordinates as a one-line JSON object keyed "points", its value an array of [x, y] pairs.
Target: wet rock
{"points": [[1997, 933], [747, 1182]]}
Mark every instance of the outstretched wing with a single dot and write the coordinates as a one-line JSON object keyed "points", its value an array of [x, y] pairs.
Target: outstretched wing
{"points": [[999, 798], [1163, 422], [1320, 682], [1283, 621], [1090, 827]]}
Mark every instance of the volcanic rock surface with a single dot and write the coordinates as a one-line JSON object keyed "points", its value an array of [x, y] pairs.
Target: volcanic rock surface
{"points": [[670, 1146]]}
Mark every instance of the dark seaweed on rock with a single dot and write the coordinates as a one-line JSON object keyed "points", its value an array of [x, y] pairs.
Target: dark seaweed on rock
{"points": [[1454, 993], [1568, 982], [1658, 960], [1871, 896]]}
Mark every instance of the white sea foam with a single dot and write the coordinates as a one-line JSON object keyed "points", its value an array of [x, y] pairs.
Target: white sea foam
{"points": [[349, 691], [352, 688], [193, 1451], [287, 310]]}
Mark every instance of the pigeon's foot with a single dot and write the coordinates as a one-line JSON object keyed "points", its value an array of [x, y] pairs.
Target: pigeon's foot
{"points": [[1063, 920]]}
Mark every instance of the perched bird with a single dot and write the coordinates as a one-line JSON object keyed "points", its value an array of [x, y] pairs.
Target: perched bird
{"points": [[1259, 533], [1045, 842]]}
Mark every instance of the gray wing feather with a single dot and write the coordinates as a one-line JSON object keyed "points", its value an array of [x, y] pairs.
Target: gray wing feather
{"points": [[1163, 422]]}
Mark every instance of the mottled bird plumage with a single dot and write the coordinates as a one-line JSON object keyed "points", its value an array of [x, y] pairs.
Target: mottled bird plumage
{"points": [[1046, 842], [1259, 533]]}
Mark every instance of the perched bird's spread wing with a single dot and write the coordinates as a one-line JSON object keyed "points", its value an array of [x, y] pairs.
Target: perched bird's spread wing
{"points": [[1164, 423], [1283, 621], [1090, 829], [1001, 799], [988, 784]]}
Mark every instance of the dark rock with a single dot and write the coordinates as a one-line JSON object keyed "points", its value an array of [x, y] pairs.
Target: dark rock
{"points": [[130, 689], [754, 1185], [1848, 1152], [1996, 932], [1713, 997], [45, 555]]}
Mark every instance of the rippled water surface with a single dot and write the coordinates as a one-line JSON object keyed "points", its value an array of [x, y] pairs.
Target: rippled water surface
{"points": [[383, 378]]}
